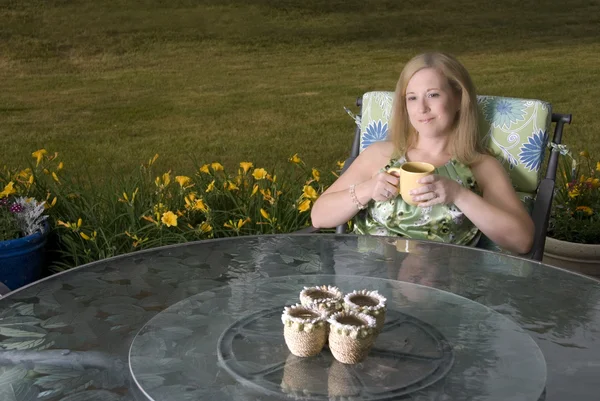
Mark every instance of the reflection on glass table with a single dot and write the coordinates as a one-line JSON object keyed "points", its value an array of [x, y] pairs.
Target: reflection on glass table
{"points": [[67, 338], [434, 344]]}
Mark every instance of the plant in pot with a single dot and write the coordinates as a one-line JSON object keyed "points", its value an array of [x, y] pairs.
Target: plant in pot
{"points": [[23, 233], [573, 240]]}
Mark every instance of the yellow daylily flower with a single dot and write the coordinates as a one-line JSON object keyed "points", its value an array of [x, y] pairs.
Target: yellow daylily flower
{"points": [[8, 190], [254, 189], [295, 159], [39, 155], [264, 214], [316, 175], [266, 193], [304, 206], [23, 175], [309, 192], [210, 186], [166, 177], [79, 222], [205, 227], [573, 193], [150, 219], [151, 161], [198, 204], [204, 169], [183, 180], [30, 181], [137, 240], [340, 164], [55, 177], [61, 165], [169, 219], [230, 186], [246, 166], [259, 174], [62, 223], [85, 236], [585, 209], [598, 166], [236, 226], [71, 226], [216, 166], [126, 198]]}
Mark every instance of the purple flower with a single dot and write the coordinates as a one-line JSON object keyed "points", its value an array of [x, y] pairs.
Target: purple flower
{"points": [[16, 208]]}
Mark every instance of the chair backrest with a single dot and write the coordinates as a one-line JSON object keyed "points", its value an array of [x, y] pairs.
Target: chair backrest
{"points": [[516, 130]]}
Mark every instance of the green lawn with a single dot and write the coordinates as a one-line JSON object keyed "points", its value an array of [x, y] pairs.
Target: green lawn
{"points": [[111, 83]]}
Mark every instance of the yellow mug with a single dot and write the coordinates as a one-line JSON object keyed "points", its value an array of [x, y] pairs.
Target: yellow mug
{"points": [[409, 173]]}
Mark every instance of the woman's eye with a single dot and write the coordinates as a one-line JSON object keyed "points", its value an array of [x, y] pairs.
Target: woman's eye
{"points": [[433, 95], [411, 98]]}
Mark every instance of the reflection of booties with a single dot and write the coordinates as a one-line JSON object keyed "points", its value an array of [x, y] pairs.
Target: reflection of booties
{"points": [[368, 302], [341, 382], [304, 330], [351, 336], [302, 376]]}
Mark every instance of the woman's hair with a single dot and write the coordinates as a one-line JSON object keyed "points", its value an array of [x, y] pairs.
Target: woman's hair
{"points": [[464, 143]]}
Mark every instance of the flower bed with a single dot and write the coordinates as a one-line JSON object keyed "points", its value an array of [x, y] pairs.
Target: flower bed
{"points": [[146, 209], [576, 207]]}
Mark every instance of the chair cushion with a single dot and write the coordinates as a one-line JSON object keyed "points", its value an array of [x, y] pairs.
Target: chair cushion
{"points": [[515, 130]]}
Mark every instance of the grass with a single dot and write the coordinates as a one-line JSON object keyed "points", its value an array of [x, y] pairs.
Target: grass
{"points": [[110, 83]]}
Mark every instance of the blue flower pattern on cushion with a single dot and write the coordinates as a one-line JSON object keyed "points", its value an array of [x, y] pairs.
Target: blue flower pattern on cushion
{"points": [[375, 132], [504, 112], [532, 152]]}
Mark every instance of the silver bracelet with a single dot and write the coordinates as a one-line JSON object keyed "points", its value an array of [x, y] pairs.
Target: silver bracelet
{"points": [[359, 205]]}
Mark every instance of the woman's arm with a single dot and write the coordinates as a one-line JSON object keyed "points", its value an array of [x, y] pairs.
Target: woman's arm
{"points": [[336, 206], [499, 213]]}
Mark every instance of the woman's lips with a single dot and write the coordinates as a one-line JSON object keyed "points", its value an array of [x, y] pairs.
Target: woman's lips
{"points": [[426, 120]]}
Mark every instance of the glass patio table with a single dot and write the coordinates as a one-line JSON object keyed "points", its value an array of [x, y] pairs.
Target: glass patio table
{"points": [[202, 320]]}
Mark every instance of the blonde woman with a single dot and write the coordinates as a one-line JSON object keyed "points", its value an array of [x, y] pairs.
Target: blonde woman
{"points": [[434, 120]]}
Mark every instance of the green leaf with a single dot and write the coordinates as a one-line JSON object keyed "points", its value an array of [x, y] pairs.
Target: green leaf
{"points": [[150, 381], [22, 330], [21, 392], [11, 375], [58, 321], [21, 344], [116, 300], [61, 378], [93, 395], [17, 320]]}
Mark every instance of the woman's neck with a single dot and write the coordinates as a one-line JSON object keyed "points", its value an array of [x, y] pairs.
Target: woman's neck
{"points": [[434, 151], [435, 147]]}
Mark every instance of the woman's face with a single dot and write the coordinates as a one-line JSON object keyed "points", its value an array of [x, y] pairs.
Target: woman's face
{"points": [[431, 103]]}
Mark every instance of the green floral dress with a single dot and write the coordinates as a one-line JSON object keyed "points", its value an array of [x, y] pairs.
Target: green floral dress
{"points": [[444, 223]]}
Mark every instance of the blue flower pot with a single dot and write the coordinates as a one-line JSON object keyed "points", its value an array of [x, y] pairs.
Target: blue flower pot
{"points": [[22, 259]]}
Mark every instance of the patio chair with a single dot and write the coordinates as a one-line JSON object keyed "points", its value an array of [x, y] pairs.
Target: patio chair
{"points": [[516, 130]]}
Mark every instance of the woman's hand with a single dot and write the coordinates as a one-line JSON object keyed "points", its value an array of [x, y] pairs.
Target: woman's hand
{"points": [[436, 190], [384, 186]]}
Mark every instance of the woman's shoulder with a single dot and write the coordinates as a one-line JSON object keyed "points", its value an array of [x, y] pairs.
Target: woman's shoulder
{"points": [[487, 169], [383, 149], [485, 162]]}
